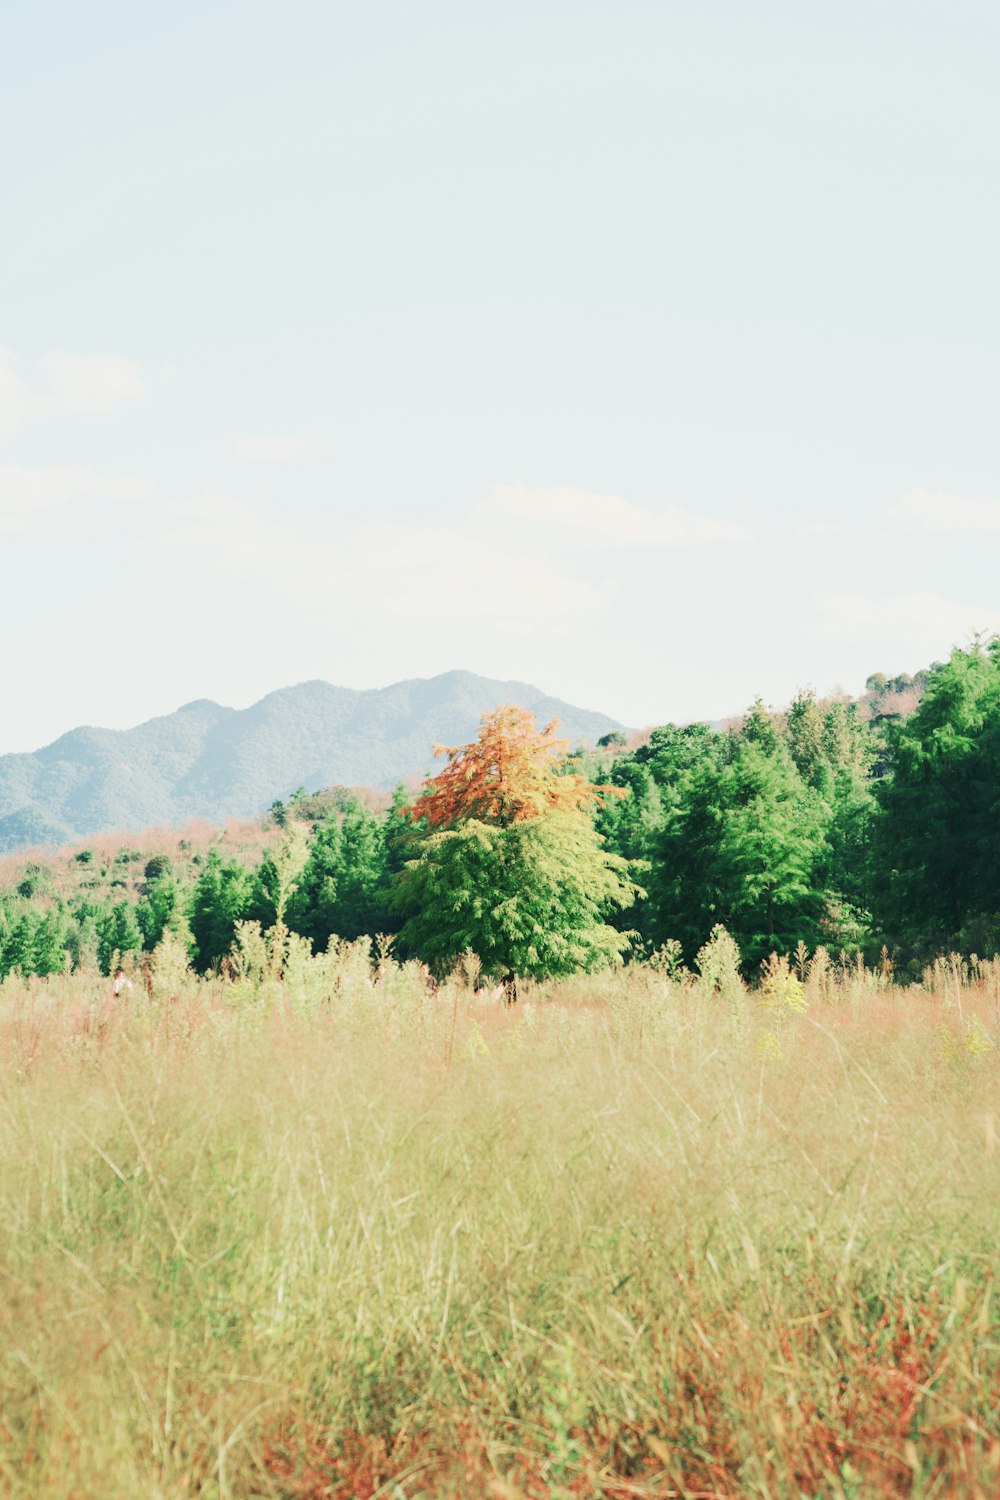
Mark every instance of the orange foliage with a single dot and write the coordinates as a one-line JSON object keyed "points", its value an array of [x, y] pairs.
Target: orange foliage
{"points": [[510, 772]]}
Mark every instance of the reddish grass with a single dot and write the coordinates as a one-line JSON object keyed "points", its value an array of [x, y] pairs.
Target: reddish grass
{"points": [[873, 1421]]}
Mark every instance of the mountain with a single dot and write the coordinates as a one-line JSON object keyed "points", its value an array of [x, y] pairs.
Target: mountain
{"points": [[213, 762]]}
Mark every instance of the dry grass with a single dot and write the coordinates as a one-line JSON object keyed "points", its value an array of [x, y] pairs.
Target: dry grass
{"points": [[336, 1239]]}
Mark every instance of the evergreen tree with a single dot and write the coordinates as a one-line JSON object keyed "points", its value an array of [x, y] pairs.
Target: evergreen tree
{"points": [[342, 891], [49, 949], [805, 729], [160, 906], [82, 936], [20, 943], [118, 935], [936, 849], [744, 847], [219, 900]]}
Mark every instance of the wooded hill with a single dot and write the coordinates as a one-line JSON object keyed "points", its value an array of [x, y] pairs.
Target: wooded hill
{"points": [[207, 761]]}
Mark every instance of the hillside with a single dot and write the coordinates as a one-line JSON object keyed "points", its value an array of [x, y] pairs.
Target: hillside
{"points": [[209, 761]]}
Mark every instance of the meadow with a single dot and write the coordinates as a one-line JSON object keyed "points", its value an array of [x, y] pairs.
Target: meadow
{"points": [[351, 1234]]}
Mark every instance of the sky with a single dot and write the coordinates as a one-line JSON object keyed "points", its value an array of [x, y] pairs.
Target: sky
{"points": [[648, 352]]}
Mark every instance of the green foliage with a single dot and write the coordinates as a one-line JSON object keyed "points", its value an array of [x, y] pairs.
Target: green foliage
{"points": [[527, 899], [936, 856], [342, 889], [156, 866], [744, 847], [160, 909], [119, 935], [833, 822], [718, 966], [32, 941], [220, 900]]}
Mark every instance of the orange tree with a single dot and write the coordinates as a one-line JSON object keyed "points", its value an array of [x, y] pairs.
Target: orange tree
{"points": [[506, 860]]}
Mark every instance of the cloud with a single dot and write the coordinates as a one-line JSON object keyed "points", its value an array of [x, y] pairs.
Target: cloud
{"points": [[495, 565], [936, 510], [90, 383], [64, 383], [445, 573], [276, 448], [26, 492], [923, 621], [408, 572], [585, 519]]}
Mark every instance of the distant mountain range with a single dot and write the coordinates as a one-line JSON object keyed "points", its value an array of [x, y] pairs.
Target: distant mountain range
{"points": [[213, 762]]}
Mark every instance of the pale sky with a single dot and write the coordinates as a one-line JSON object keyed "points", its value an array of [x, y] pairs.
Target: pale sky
{"points": [[645, 351]]}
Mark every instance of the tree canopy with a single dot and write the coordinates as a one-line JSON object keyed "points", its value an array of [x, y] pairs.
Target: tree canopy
{"points": [[508, 862]]}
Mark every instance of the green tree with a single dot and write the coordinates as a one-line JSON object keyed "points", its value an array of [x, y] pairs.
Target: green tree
{"points": [[936, 860], [529, 899], [82, 936], [118, 934], [33, 941], [508, 862], [49, 956], [342, 890], [160, 907], [219, 900], [805, 726], [18, 951], [745, 847]]}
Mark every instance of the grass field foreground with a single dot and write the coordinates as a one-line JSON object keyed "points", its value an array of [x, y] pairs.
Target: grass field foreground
{"points": [[351, 1235]]}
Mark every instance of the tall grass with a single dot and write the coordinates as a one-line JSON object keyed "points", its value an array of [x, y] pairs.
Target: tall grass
{"points": [[636, 1236]]}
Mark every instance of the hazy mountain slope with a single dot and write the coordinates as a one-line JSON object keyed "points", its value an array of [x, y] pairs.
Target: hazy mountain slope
{"points": [[214, 762]]}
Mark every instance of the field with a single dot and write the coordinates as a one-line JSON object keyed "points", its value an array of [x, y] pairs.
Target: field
{"points": [[637, 1235]]}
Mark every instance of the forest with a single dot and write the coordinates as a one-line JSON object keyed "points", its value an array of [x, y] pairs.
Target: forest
{"points": [[865, 827]]}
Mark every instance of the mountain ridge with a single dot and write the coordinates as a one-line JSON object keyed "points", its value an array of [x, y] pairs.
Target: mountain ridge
{"points": [[209, 760]]}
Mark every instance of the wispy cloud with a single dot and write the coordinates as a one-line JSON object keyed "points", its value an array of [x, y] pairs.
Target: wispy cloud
{"points": [[585, 519], [59, 382], [90, 382], [515, 560], [26, 493], [274, 448], [936, 510], [923, 621], [413, 572]]}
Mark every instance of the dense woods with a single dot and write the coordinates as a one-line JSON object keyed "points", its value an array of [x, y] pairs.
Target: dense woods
{"points": [[851, 825]]}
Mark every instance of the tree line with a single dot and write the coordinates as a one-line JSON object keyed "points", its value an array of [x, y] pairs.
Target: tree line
{"points": [[851, 826]]}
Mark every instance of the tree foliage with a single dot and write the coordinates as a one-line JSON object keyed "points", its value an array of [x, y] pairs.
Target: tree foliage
{"points": [[219, 901], [938, 869], [508, 862], [510, 772], [843, 823]]}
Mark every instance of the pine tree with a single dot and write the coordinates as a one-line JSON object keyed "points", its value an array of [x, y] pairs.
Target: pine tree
{"points": [[118, 935], [804, 728], [936, 859], [160, 905], [218, 902], [49, 948], [745, 847]]}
